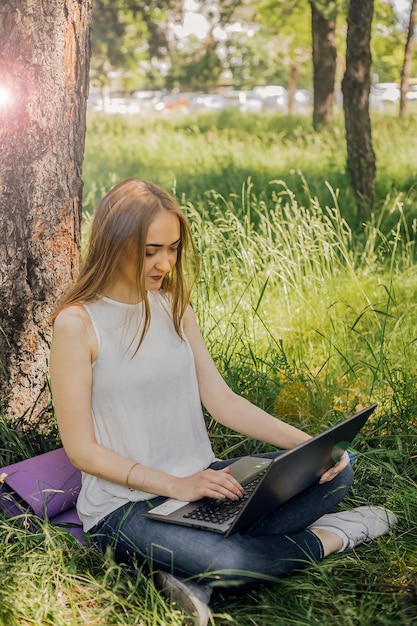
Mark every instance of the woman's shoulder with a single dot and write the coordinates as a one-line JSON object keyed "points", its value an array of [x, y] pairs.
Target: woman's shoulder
{"points": [[74, 331], [73, 334], [72, 317]]}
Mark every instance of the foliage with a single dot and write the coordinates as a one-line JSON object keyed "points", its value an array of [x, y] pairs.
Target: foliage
{"points": [[229, 147], [194, 66], [128, 36], [387, 44], [388, 34], [246, 44], [286, 31]]}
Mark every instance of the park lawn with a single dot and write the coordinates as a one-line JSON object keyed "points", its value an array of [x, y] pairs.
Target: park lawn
{"points": [[307, 312]]}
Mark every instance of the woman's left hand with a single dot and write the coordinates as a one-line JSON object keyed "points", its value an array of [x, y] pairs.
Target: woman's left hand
{"points": [[336, 469]]}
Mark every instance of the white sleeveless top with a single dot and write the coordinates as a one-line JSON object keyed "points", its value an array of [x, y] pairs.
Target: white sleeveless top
{"points": [[146, 406]]}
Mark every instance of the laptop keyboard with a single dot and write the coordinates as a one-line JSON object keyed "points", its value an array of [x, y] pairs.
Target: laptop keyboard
{"points": [[221, 511]]}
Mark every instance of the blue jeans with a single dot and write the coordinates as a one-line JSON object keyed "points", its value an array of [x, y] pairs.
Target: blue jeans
{"points": [[270, 549]]}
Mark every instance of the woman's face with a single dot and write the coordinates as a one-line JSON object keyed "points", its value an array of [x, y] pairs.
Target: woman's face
{"points": [[162, 242]]}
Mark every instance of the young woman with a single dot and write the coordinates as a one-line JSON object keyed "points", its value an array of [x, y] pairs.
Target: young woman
{"points": [[129, 373]]}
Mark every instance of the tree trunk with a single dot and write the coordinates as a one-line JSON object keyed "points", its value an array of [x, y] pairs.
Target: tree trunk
{"points": [[44, 63], [355, 87], [323, 29], [292, 87], [408, 56]]}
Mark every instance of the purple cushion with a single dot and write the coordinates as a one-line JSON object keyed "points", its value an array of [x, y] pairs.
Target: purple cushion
{"points": [[69, 520], [46, 485]]}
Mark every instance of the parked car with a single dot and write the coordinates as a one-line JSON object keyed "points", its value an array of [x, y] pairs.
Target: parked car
{"points": [[250, 102], [95, 102], [172, 102], [114, 103], [389, 93], [412, 92], [145, 100], [303, 100], [121, 105], [386, 92], [247, 101], [274, 97], [303, 97], [208, 101]]}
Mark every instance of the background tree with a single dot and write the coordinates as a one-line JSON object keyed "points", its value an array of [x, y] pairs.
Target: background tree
{"points": [[405, 73], [288, 34], [355, 87], [130, 37], [322, 45], [323, 30], [222, 55], [387, 42], [44, 60]]}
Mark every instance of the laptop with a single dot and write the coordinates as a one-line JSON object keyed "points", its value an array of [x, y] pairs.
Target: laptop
{"points": [[267, 483]]}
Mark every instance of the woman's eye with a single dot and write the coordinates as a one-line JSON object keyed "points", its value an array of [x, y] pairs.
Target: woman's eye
{"points": [[171, 250]]}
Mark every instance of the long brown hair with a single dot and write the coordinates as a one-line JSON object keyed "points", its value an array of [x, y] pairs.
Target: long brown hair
{"points": [[120, 224]]}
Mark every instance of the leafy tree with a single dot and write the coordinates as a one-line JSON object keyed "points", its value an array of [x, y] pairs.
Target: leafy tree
{"points": [[387, 43], [288, 15], [128, 36], [288, 29], [116, 39], [222, 56], [196, 65], [261, 59]]}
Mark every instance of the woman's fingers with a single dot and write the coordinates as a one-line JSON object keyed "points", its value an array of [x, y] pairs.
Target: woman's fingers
{"points": [[336, 469], [223, 485]]}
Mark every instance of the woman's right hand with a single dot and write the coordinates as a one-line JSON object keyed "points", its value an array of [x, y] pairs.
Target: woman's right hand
{"points": [[217, 484]]}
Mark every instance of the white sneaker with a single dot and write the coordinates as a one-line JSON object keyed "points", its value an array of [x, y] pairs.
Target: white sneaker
{"points": [[359, 525], [191, 598]]}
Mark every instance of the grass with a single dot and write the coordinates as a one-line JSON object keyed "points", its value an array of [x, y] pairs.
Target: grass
{"points": [[308, 314], [195, 155]]}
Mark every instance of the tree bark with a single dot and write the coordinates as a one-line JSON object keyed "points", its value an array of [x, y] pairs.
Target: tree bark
{"points": [[44, 64], [292, 86], [355, 87], [323, 29], [408, 56]]}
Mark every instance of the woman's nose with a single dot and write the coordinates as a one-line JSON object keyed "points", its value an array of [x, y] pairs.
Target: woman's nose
{"points": [[164, 262]]}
